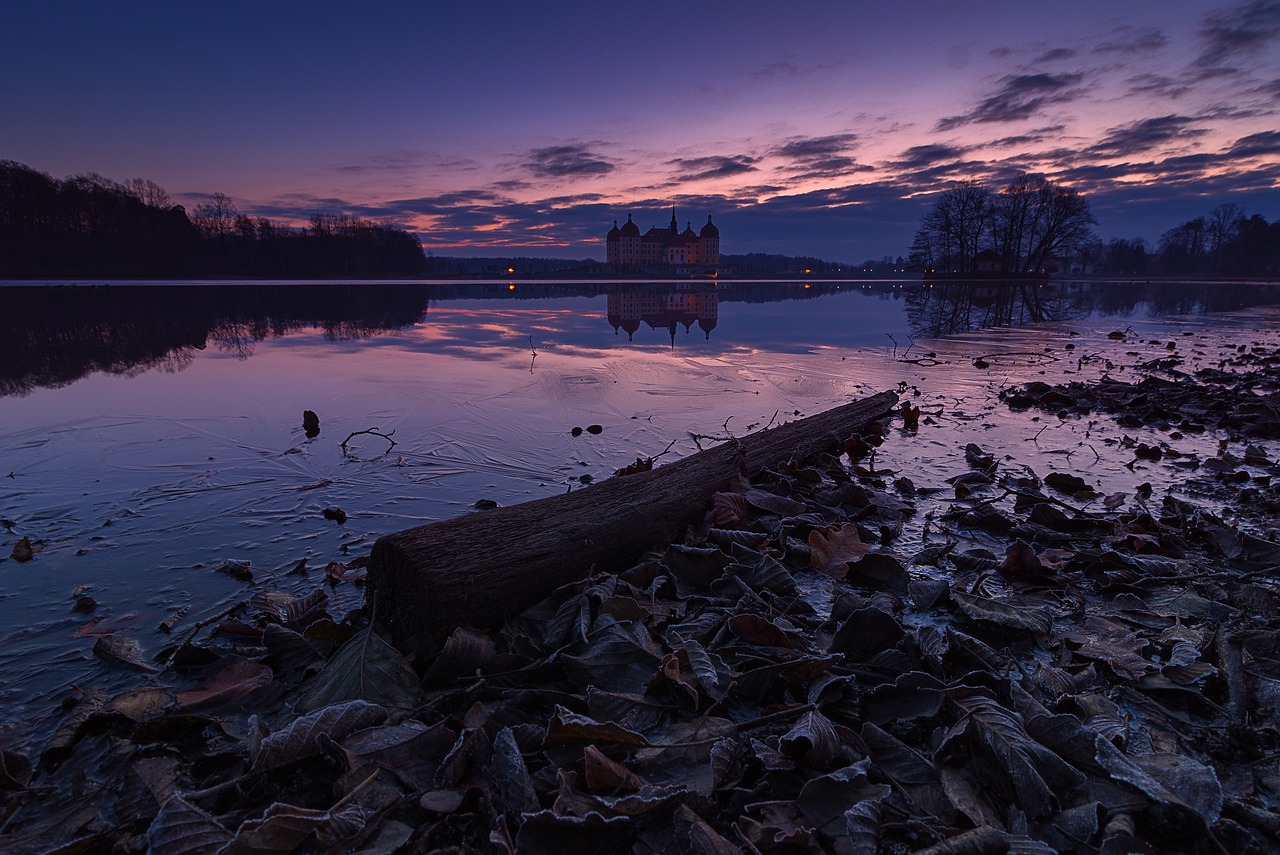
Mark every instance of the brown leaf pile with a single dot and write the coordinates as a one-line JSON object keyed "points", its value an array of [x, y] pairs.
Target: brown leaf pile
{"points": [[1041, 680]]}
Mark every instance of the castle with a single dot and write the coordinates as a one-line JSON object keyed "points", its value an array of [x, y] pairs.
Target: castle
{"points": [[662, 249]]}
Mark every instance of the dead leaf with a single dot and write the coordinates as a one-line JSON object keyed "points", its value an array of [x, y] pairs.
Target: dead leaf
{"points": [[831, 549], [122, 650], [605, 775], [760, 631]]}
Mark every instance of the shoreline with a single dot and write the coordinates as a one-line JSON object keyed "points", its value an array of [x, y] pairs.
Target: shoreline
{"points": [[786, 653]]}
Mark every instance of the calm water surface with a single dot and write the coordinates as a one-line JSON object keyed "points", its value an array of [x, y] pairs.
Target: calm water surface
{"points": [[149, 433]]}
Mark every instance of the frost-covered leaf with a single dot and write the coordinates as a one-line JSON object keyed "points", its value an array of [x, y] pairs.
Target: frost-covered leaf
{"points": [[813, 740], [465, 652], [569, 728], [280, 830], [181, 828], [824, 799], [122, 650], [1120, 648], [1011, 613], [365, 668], [515, 790], [300, 739], [1025, 771]]}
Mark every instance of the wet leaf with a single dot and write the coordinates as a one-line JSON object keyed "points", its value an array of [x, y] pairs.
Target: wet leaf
{"points": [[335, 514], [23, 550], [832, 549], [1020, 559], [300, 739], [365, 668], [228, 685], [15, 770]]}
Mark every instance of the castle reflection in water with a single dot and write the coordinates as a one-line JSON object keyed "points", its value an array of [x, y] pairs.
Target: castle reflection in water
{"points": [[669, 310]]}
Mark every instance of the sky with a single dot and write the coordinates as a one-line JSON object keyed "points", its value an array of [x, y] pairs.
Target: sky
{"points": [[813, 127]]}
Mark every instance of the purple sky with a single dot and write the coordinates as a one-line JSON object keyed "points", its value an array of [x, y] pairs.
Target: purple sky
{"points": [[809, 127]]}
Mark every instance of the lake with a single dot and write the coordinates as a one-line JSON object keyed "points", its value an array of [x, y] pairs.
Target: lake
{"points": [[151, 433]]}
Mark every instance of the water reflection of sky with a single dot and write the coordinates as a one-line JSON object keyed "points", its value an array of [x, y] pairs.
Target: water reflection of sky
{"points": [[149, 446]]}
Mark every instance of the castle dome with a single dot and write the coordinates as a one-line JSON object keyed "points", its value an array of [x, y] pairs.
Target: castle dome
{"points": [[629, 229], [709, 230], [614, 233]]}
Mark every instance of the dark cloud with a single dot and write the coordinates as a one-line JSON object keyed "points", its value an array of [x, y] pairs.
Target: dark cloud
{"points": [[1034, 137], [820, 157], [1144, 135], [1128, 39], [1056, 55], [1156, 84], [1019, 97], [816, 148], [922, 156], [1257, 145], [567, 161], [715, 166], [1243, 29], [1271, 89]]}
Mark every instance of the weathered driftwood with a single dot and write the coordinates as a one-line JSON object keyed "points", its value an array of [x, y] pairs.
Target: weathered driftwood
{"points": [[479, 569]]}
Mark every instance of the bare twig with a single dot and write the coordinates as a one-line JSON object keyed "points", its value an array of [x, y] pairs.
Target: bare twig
{"points": [[369, 432]]}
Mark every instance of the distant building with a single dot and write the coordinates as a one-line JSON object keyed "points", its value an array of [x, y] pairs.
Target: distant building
{"points": [[987, 261], [660, 249]]}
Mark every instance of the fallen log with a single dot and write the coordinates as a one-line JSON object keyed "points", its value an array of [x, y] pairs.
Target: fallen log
{"points": [[478, 570]]}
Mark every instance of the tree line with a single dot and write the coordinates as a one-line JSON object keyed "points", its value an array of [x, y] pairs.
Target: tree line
{"points": [[1034, 225], [91, 226], [1226, 242]]}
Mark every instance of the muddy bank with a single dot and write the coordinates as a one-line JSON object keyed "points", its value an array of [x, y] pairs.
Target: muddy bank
{"points": [[837, 658]]}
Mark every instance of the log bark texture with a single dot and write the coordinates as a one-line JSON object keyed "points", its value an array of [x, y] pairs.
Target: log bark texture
{"points": [[479, 569]]}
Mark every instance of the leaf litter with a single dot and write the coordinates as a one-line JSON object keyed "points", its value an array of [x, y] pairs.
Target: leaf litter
{"points": [[783, 680]]}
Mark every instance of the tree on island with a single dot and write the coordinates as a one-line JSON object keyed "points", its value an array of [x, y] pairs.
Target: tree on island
{"points": [[1028, 224]]}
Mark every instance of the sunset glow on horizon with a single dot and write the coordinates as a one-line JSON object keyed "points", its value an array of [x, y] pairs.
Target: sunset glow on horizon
{"points": [[822, 129]]}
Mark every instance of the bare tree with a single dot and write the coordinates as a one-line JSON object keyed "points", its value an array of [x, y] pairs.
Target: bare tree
{"points": [[954, 228], [147, 192], [1223, 228], [216, 217], [1036, 220]]}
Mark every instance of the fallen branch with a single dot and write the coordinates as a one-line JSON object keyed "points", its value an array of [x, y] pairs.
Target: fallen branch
{"points": [[481, 568]]}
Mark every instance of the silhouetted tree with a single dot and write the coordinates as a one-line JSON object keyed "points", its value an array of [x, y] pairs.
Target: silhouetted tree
{"points": [[89, 225]]}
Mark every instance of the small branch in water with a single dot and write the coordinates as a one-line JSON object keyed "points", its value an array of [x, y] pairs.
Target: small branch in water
{"points": [[369, 432], [895, 345]]}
